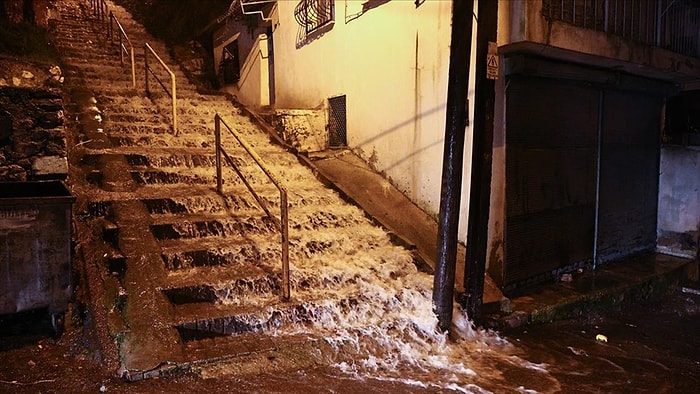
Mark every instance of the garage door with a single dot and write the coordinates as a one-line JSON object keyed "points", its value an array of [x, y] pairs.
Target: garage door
{"points": [[551, 162], [629, 174], [566, 204]]}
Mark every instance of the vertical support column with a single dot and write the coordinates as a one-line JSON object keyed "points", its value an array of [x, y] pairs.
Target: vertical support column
{"points": [[455, 124], [482, 155], [264, 71]]}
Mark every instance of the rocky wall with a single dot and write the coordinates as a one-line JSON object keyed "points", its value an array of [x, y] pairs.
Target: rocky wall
{"points": [[305, 130], [32, 134]]}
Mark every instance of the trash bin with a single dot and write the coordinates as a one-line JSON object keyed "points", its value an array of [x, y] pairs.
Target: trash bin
{"points": [[35, 249]]}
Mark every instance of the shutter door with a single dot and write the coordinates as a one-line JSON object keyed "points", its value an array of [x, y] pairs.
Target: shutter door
{"points": [[629, 174], [551, 165]]}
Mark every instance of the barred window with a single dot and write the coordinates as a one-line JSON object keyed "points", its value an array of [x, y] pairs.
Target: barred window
{"points": [[670, 24], [314, 14]]}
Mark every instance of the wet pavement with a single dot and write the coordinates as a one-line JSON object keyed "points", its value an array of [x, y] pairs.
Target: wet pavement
{"points": [[650, 348]]}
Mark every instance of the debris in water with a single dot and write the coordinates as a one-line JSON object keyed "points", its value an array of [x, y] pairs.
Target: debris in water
{"points": [[601, 338], [103, 389], [567, 278], [578, 352], [689, 290]]}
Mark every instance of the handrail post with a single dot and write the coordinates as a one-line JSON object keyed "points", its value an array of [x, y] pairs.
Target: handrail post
{"points": [[284, 224], [217, 136], [174, 89], [133, 66], [145, 60], [110, 28]]}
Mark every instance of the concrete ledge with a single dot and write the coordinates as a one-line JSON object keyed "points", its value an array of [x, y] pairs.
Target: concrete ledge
{"points": [[637, 279]]}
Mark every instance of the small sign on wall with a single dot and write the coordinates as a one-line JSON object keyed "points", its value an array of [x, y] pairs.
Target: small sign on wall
{"points": [[492, 61]]}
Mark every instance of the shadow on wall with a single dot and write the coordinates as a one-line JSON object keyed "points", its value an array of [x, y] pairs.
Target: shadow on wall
{"points": [[397, 127], [304, 38]]}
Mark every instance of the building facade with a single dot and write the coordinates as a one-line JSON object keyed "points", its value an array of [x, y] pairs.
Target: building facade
{"points": [[586, 169]]}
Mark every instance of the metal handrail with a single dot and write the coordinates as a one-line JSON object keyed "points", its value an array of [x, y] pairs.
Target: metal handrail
{"points": [[283, 222], [123, 39], [99, 9], [173, 83]]}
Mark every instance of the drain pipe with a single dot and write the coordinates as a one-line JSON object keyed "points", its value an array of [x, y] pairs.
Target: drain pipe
{"points": [[452, 161]]}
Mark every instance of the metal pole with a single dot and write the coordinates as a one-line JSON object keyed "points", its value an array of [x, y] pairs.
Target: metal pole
{"points": [[145, 60], [121, 48], [174, 89], [217, 137], [284, 224], [133, 66], [601, 98], [480, 188], [455, 124]]}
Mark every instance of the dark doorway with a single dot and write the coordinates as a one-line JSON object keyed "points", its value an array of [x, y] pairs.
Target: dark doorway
{"points": [[230, 66]]}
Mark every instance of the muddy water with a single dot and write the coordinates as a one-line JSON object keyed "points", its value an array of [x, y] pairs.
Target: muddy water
{"points": [[381, 327], [650, 349]]}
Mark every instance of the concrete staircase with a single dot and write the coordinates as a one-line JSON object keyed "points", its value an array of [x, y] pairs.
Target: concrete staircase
{"points": [[184, 276]]}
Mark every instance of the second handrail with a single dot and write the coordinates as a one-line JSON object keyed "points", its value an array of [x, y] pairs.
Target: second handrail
{"points": [[173, 83], [123, 39]]}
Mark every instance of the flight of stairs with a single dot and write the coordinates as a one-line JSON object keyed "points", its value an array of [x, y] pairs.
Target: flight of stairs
{"points": [[186, 275]]}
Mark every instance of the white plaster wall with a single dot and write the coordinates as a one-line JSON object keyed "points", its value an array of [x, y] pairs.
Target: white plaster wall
{"points": [[679, 190], [253, 88], [392, 64]]}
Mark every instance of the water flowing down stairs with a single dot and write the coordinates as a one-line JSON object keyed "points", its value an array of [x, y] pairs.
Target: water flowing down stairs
{"points": [[187, 275]]}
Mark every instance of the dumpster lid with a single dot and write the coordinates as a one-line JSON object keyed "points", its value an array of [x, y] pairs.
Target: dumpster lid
{"points": [[34, 191]]}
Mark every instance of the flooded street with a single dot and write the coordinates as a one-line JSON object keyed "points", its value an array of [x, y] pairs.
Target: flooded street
{"points": [[650, 349]]}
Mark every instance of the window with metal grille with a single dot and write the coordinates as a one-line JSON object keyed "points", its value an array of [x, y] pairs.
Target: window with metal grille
{"points": [[337, 124], [670, 24], [314, 14]]}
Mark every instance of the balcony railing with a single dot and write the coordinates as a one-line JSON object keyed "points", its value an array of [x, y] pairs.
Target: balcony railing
{"points": [[668, 24]]}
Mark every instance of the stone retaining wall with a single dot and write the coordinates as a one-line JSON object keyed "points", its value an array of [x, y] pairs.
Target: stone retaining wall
{"points": [[32, 136]]}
